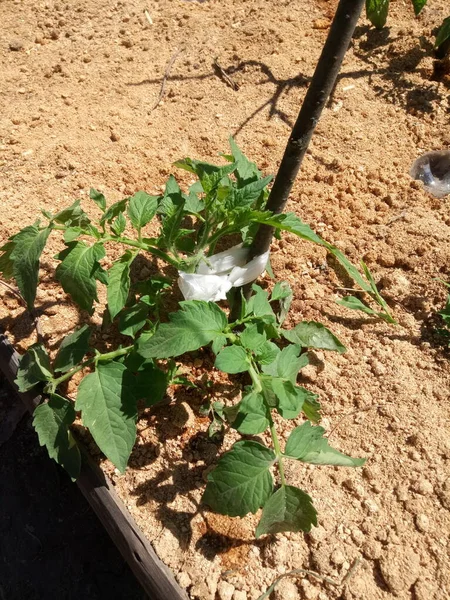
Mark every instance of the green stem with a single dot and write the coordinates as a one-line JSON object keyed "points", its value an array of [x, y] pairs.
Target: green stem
{"points": [[95, 359], [273, 432]]}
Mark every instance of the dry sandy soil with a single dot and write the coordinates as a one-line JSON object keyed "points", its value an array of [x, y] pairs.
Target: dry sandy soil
{"points": [[79, 85]]}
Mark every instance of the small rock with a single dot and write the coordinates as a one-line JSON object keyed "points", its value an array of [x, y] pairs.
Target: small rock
{"points": [[286, 590], [225, 590], [240, 595], [337, 558], [183, 579], [422, 522], [400, 568], [372, 550], [54, 35], [321, 24], [114, 137], [87, 59], [127, 43], [370, 506], [423, 487], [60, 175], [15, 45]]}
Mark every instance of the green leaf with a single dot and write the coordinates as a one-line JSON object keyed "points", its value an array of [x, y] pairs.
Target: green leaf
{"points": [[71, 234], [246, 171], [77, 270], [107, 401], [133, 319], [251, 338], [418, 5], [288, 509], [72, 349], [287, 363], [232, 359], [443, 34], [114, 211], [354, 303], [245, 196], [151, 384], [310, 334], [197, 324], [34, 367], [119, 283], [290, 397], [259, 304], [252, 416], [142, 208], [311, 406], [267, 353], [241, 483], [377, 12], [281, 290], [291, 223], [307, 444], [28, 246], [209, 175], [119, 224], [98, 198], [51, 422], [6, 264], [73, 216]]}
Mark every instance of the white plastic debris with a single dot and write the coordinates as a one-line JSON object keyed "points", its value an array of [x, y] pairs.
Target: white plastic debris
{"points": [[217, 274], [433, 169]]}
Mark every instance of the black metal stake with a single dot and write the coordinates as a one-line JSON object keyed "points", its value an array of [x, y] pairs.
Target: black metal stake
{"points": [[322, 84]]}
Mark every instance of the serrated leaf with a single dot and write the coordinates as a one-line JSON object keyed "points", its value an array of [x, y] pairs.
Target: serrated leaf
{"points": [[443, 34], [197, 324], [72, 349], [28, 246], [119, 283], [133, 319], [288, 509], [71, 234], [259, 304], [77, 271], [244, 197], [73, 216], [252, 416], [209, 175], [246, 171], [241, 483], [251, 338], [119, 224], [34, 367], [267, 353], [287, 363], [377, 12], [151, 384], [418, 5], [232, 359], [310, 334], [51, 422], [113, 211], [307, 444], [98, 198], [142, 208], [290, 397], [107, 401]]}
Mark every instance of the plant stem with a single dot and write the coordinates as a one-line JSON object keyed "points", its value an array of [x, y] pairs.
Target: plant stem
{"points": [[273, 432], [99, 357]]}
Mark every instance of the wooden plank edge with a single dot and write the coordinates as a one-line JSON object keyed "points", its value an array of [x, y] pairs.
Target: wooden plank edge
{"points": [[154, 576]]}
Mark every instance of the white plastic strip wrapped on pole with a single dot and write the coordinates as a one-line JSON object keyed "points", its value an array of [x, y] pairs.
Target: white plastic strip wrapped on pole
{"points": [[217, 274]]}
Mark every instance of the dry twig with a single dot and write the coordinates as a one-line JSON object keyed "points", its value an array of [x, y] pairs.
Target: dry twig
{"points": [[166, 75], [224, 75]]}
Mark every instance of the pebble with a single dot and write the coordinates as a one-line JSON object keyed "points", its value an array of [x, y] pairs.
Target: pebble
{"points": [[240, 595], [286, 590], [183, 579], [225, 590], [423, 487], [400, 569], [370, 506], [114, 137], [422, 522], [15, 45], [337, 558]]}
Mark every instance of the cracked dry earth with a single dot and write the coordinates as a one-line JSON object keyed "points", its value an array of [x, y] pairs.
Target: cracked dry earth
{"points": [[79, 85]]}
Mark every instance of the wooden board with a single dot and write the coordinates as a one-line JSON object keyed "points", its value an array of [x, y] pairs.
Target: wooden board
{"points": [[156, 579]]}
